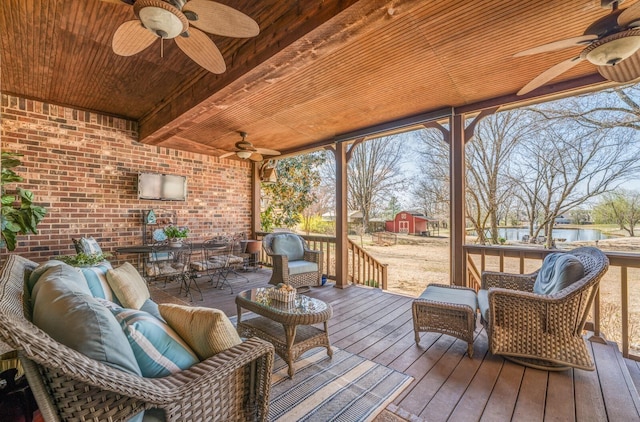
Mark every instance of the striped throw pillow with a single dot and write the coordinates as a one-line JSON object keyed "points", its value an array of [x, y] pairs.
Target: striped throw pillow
{"points": [[159, 351], [96, 277]]}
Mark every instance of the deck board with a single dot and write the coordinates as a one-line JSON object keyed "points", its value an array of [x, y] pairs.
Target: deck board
{"points": [[448, 385]]}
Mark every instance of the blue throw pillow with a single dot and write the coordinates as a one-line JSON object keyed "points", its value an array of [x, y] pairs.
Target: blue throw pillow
{"points": [[559, 270], [96, 278], [159, 351], [64, 309]]}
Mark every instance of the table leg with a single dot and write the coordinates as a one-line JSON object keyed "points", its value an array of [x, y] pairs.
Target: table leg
{"points": [[290, 335], [329, 349]]}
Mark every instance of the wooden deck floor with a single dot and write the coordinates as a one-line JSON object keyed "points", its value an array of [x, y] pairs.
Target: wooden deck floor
{"points": [[448, 385]]}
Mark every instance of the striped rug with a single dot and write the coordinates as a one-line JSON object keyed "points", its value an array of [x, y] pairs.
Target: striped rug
{"points": [[346, 388]]}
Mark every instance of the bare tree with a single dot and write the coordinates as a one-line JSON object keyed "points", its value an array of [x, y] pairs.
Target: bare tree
{"points": [[374, 174], [430, 189], [488, 169], [567, 163], [612, 108]]}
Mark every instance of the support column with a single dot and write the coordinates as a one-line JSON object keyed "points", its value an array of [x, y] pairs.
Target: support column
{"points": [[342, 252], [457, 207], [255, 199]]}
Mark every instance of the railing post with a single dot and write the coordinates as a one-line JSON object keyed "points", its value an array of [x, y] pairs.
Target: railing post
{"points": [[597, 336], [385, 268]]}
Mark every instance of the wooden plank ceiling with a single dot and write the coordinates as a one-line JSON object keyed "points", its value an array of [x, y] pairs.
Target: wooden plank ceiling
{"points": [[317, 69]]}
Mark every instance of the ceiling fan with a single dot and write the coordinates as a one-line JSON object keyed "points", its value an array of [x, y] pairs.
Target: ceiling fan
{"points": [[611, 43], [184, 21], [246, 150]]}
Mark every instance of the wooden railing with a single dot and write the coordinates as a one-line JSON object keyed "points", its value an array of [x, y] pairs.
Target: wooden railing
{"points": [[613, 305], [363, 268]]}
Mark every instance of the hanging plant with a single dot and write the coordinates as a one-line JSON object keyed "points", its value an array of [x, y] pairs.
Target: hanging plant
{"points": [[21, 219]]}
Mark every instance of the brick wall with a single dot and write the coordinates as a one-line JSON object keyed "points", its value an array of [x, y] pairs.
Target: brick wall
{"points": [[83, 168]]}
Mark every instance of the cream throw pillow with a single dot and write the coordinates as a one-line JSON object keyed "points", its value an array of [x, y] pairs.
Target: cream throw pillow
{"points": [[206, 330], [128, 286]]}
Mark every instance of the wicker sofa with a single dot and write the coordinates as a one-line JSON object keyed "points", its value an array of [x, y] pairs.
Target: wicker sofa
{"points": [[543, 331], [293, 262], [231, 385]]}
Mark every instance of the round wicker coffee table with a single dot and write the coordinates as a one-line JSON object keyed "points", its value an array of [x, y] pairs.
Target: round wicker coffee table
{"points": [[286, 325]]}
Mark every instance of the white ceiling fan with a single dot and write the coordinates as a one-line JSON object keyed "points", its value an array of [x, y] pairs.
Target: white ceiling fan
{"points": [[246, 150], [184, 21], [612, 43]]}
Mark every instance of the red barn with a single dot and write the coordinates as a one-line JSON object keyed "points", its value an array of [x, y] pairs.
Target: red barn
{"points": [[408, 222]]}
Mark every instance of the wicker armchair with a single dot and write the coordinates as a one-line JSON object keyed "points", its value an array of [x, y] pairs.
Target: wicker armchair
{"points": [[287, 270], [232, 385], [542, 331]]}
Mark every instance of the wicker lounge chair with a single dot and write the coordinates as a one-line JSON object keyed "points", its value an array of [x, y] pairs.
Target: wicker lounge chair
{"points": [[541, 331], [293, 262], [231, 385]]}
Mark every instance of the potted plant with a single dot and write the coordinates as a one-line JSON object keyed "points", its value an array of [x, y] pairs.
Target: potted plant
{"points": [[21, 219], [84, 260], [175, 234]]}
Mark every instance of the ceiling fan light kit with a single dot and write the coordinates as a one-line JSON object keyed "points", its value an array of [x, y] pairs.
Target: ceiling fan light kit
{"points": [[613, 49], [161, 18], [244, 154], [612, 45]]}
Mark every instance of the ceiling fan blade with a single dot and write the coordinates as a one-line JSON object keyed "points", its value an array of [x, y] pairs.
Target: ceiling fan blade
{"points": [[256, 157], [549, 74], [216, 18], [625, 71], [199, 47], [131, 38], [227, 154], [629, 15], [267, 151], [118, 1], [558, 45]]}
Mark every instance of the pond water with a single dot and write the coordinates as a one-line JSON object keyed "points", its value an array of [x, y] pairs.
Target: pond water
{"points": [[571, 235]]}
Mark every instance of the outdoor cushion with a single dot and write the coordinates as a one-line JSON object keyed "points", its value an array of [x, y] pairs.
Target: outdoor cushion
{"points": [[151, 307], [157, 348], [559, 270], [288, 244], [483, 303], [77, 320], [87, 245], [96, 278], [128, 286], [208, 331], [450, 295], [300, 267]]}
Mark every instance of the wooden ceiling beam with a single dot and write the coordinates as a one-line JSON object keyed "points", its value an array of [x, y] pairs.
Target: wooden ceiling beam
{"points": [[180, 111], [304, 43]]}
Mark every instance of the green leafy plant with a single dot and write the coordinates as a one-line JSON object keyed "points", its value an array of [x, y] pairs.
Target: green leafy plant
{"points": [[21, 219], [84, 260], [175, 232]]}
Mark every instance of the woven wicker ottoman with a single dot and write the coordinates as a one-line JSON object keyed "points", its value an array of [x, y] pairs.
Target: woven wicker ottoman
{"points": [[448, 310]]}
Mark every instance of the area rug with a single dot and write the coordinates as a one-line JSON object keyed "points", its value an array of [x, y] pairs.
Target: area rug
{"points": [[346, 388]]}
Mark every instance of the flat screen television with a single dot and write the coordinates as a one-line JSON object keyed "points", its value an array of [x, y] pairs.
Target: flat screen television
{"points": [[162, 187]]}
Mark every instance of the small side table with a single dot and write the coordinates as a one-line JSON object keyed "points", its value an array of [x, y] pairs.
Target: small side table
{"points": [[448, 310]]}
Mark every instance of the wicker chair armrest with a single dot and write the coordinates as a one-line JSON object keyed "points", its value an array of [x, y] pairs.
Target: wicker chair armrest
{"points": [[49, 353], [521, 309], [520, 282], [312, 256], [210, 373]]}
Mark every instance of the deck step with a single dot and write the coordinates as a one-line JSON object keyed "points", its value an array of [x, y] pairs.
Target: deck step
{"points": [[619, 391]]}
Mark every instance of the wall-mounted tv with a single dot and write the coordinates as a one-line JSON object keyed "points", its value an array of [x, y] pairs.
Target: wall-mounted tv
{"points": [[163, 187]]}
